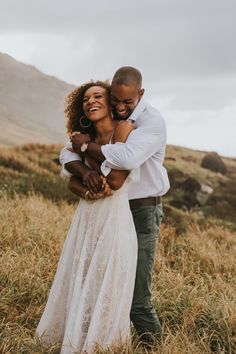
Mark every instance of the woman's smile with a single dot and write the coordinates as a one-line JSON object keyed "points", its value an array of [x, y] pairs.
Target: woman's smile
{"points": [[95, 103]]}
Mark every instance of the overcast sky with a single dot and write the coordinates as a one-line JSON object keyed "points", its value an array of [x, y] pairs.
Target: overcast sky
{"points": [[185, 50]]}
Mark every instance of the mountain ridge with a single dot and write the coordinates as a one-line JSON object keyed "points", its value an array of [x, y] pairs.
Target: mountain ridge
{"points": [[31, 104]]}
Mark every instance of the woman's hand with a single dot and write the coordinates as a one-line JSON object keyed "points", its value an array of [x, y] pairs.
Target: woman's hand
{"points": [[95, 196], [77, 140], [105, 192], [90, 196]]}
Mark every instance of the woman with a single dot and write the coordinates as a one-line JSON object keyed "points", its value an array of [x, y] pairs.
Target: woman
{"points": [[91, 296]]}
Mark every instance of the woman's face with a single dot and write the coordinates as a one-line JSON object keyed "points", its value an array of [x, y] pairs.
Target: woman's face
{"points": [[95, 103]]}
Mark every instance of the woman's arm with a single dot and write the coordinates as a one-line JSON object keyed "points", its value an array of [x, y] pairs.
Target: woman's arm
{"points": [[76, 186]]}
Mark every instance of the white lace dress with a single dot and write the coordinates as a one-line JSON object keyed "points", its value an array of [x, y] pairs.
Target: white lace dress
{"points": [[90, 299]]}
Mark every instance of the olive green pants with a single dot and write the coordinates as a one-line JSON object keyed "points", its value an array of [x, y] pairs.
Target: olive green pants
{"points": [[147, 221]]}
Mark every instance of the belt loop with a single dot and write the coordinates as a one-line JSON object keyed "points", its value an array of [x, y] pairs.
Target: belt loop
{"points": [[158, 200]]}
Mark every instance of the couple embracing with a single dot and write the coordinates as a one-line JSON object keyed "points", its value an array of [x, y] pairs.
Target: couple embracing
{"points": [[115, 164]]}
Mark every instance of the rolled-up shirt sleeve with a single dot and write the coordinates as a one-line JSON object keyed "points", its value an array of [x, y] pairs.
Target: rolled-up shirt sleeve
{"points": [[65, 157], [141, 144]]}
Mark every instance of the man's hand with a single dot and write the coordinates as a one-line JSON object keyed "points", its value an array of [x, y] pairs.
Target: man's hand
{"points": [[92, 179], [77, 140]]}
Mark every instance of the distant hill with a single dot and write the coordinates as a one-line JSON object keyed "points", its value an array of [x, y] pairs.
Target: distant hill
{"points": [[31, 104]]}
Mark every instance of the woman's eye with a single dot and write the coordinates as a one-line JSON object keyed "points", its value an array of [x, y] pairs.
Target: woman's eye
{"points": [[98, 96]]}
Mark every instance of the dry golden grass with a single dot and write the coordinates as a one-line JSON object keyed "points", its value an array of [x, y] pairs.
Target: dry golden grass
{"points": [[194, 286], [33, 168]]}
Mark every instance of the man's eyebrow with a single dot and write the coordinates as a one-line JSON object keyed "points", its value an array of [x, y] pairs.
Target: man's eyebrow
{"points": [[126, 99]]}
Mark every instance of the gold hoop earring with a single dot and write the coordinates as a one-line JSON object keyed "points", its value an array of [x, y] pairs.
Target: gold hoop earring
{"points": [[86, 123]]}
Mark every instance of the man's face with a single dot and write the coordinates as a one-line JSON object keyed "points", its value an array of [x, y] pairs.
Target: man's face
{"points": [[124, 99]]}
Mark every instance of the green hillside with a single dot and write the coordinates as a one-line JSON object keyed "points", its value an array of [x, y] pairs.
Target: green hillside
{"points": [[35, 168]]}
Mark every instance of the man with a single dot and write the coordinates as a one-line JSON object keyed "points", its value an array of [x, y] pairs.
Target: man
{"points": [[144, 148]]}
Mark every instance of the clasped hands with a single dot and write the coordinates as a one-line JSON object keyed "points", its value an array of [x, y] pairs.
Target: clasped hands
{"points": [[103, 192], [94, 181]]}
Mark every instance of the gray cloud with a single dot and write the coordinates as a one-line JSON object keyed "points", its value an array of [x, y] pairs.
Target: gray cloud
{"points": [[172, 38], [185, 49]]}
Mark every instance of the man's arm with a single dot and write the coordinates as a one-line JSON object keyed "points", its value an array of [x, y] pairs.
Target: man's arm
{"points": [[115, 178], [95, 151], [141, 144]]}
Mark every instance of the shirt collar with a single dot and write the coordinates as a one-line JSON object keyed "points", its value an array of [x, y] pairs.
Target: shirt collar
{"points": [[138, 110]]}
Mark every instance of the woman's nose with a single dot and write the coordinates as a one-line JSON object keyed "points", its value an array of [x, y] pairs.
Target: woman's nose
{"points": [[91, 99]]}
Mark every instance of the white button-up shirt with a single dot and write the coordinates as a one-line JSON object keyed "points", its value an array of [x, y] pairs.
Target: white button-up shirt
{"points": [[67, 156], [144, 149]]}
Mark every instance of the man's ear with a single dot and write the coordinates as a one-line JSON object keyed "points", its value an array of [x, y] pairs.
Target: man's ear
{"points": [[141, 93]]}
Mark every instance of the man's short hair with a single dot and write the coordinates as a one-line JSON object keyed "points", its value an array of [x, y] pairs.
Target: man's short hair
{"points": [[127, 75]]}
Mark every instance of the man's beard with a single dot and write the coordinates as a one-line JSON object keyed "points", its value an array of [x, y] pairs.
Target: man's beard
{"points": [[117, 117]]}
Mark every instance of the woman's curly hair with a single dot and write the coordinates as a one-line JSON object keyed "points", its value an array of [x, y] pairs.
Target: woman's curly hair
{"points": [[74, 107]]}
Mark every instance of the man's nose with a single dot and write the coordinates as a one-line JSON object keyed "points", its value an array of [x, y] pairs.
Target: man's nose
{"points": [[120, 106]]}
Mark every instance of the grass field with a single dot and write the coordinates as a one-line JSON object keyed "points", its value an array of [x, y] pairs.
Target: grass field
{"points": [[194, 287]]}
